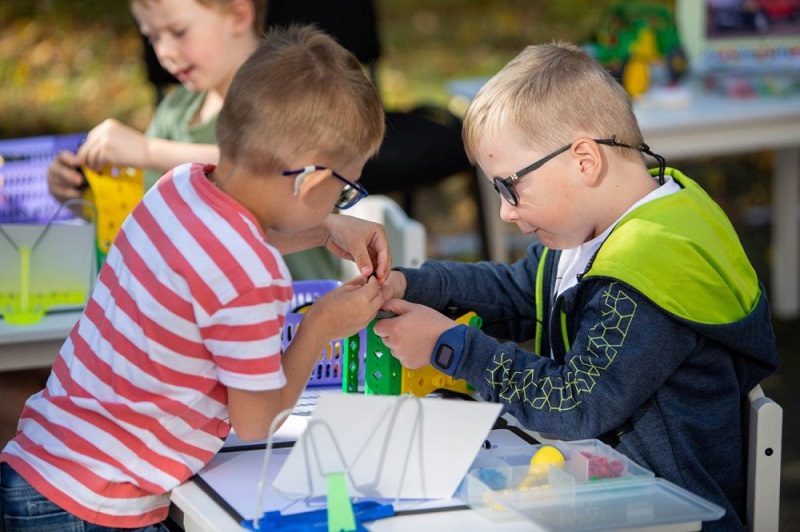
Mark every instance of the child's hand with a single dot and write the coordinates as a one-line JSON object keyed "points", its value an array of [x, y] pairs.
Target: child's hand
{"points": [[63, 178], [114, 143], [361, 241], [395, 286], [345, 310], [413, 333]]}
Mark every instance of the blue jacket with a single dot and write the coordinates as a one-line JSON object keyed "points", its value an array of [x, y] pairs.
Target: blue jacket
{"points": [[659, 372]]}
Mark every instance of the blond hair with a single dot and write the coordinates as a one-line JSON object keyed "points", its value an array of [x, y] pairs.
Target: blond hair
{"points": [[300, 92], [548, 95], [259, 10]]}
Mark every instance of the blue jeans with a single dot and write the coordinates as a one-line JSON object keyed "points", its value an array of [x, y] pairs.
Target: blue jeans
{"points": [[23, 509]]}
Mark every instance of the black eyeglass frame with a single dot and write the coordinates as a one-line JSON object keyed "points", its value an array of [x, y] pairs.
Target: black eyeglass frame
{"points": [[346, 198], [505, 186]]}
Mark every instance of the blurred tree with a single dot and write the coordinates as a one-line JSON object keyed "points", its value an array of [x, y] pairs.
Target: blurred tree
{"points": [[65, 65]]}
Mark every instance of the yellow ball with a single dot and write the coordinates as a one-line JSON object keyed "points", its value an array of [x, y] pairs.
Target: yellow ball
{"points": [[546, 455]]}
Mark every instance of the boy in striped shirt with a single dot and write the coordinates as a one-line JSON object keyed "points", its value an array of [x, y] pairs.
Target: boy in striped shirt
{"points": [[181, 337]]}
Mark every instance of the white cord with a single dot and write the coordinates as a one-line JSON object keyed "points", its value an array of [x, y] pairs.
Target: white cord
{"points": [[393, 408], [267, 453]]}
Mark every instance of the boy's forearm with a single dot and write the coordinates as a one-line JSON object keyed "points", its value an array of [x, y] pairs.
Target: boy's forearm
{"points": [[310, 238], [316, 236], [252, 413], [301, 355], [164, 155]]}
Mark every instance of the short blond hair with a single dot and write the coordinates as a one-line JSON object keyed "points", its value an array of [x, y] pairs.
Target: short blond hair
{"points": [[300, 92], [259, 10], [547, 95]]}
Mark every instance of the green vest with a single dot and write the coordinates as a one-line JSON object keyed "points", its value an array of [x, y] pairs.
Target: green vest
{"points": [[682, 253]]}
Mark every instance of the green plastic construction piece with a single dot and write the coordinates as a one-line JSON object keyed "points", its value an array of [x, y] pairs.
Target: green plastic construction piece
{"points": [[340, 509], [383, 373], [351, 364], [24, 278], [26, 307], [17, 312]]}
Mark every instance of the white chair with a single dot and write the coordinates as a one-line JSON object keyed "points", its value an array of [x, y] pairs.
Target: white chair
{"points": [[765, 427], [407, 237]]}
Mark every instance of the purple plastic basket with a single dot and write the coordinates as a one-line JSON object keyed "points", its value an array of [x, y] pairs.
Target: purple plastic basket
{"points": [[330, 365], [24, 196]]}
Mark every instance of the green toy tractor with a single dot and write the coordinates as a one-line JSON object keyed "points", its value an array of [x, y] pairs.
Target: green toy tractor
{"points": [[634, 40]]}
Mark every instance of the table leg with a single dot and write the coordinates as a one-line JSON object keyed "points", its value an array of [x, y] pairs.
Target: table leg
{"points": [[495, 227], [27, 355], [785, 298]]}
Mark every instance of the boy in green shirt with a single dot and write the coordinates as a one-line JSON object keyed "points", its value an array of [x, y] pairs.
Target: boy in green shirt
{"points": [[202, 43]]}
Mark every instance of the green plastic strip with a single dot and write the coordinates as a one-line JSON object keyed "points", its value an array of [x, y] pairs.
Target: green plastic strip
{"points": [[540, 304], [340, 509], [24, 278]]}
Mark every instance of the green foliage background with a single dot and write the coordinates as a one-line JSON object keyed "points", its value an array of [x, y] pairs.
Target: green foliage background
{"points": [[66, 65]]}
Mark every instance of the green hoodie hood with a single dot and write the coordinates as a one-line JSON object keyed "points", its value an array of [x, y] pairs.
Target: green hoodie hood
{"points": [[701, 272]]}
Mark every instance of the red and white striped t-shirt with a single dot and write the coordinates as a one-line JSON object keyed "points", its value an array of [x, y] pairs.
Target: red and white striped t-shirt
{"points": [[190, 300]]}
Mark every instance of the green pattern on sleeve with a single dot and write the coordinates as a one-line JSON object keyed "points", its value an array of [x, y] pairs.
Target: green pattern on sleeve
{"points": [[556, 394]]}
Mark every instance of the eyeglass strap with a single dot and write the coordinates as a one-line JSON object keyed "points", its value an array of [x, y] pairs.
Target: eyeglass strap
{"points": [[662, 163], [644, 148]]}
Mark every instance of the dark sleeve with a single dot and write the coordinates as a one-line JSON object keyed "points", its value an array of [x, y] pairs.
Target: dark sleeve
{"points": [[501, 294], [624, 349]]}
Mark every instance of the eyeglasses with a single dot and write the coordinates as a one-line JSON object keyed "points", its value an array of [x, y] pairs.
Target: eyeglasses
{"points": [[351, 194], [505, 187]]}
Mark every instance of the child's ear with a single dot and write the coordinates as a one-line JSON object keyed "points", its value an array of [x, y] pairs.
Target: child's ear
{"points": [[307, 180], [244, 14], [590, 160]]}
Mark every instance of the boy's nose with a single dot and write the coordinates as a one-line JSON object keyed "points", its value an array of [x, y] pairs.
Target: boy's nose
{"points": [[508, 213], [165, 51]]}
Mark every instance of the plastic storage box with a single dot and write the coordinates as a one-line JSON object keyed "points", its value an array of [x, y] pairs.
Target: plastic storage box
{"points": [[594, 488], [24, 196], [330, 367], [43, 268]]}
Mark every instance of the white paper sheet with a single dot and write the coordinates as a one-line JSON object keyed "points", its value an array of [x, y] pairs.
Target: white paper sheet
{"points": [[385, 455], [234, 477]]}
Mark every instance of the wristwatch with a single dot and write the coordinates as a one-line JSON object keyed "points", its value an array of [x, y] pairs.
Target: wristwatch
{"points": [[448, 350]]}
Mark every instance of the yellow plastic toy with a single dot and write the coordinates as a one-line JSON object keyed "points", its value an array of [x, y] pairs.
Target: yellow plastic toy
{"points": [[384, 375], [115, 192], [542, 459], [644, 52], [427, 379], [545, 456]]}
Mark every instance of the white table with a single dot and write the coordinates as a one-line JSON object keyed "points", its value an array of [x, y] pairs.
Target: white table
{"points": [[34, 346], [192, 508], [195, 511], [713, 125]]}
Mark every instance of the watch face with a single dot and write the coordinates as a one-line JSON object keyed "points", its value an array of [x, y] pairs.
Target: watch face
{"points": [[444, 356]]}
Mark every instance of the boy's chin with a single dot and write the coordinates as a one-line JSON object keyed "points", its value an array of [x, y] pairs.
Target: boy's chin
{"points": [[194, 85], [553, 243]]}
